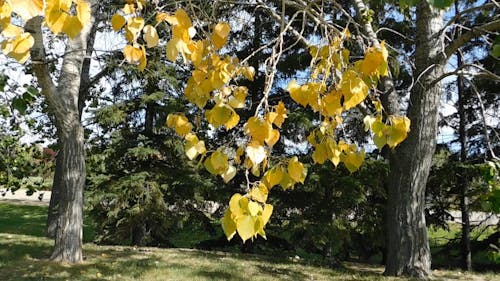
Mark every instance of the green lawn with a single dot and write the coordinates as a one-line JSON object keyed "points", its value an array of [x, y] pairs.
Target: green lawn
{"points": [[31, 220], [24, 252]]}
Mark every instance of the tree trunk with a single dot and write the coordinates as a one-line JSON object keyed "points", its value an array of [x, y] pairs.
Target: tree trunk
{"points": [[82, 97], [463, 180], [408, 250], [70, 165], [55, 198], [69, 232], [464, 209]]}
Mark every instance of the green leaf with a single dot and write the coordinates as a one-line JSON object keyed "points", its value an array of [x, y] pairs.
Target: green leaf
{"points": [[440, 4], [407, 3], [495, 52], [3, 82], [20, 105]]}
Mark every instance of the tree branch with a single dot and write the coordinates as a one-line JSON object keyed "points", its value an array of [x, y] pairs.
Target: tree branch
{"points": [[38, 57], [279, 19], [473, 33], [389, 97]]}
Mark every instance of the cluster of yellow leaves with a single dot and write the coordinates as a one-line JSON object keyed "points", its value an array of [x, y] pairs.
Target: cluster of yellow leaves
{"points": [[262, 137], [128, 18], [248, 214], [59, 17], [326, 148], [210, 84], [17, 43], [391, 134], [350, 86], [246, 217]]}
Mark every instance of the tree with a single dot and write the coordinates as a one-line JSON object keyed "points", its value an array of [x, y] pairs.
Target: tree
{"points": [[338, 83], [62, 99], [408, 251]]}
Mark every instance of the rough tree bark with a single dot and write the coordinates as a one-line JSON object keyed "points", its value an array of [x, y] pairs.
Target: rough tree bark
{"points": [[408, 248], [63, 103], [57, 184]]}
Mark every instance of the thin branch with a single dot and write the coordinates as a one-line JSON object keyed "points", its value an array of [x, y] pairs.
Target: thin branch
{"points": [[278, 18], [483, 119], [476, 31], [460, 71], [467, 11]]}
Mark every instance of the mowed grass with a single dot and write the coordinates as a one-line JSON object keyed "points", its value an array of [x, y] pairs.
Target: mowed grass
{"points": [[24, 255], [31, 220]]}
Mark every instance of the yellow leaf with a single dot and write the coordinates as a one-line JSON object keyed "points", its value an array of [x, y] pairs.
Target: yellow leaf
{"points": [[256, 153], [286, 181], [374, 60], [134, 26], [217, 163], [229, 174], [245, 225], [117, 22], [222, 114], [353, 160], [331, 104], [368, 121], [197, 52], [298, 93], [72, 26], [273, 137], [273, 177], [150, 36], [296, 170], [18, 47], [180, 123], [219, 35], [379, 140], [249, 72], [259, 193], [233, 121], [254, 208], [228, 225], [128, 9], [400, 126], [353, 88], [5, 10], [180, 18], [10, 30], [266, 213], [234, 206], [26, 9], [193, 146], [237, 100], [135, 55], [171, 49], [83, 12], [258, 128], [320, 153], [56, 20], [270, 116], [281, 114], [333, 151], [161, 17]]}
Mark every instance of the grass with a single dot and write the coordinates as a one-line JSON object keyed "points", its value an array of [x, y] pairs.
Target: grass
{"points": [[24, 252], [31, 220], [438, 239]]}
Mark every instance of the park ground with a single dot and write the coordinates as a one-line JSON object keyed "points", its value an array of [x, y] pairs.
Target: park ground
{"points": [[24, 255]]}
